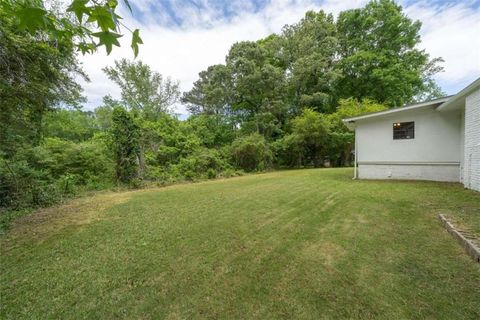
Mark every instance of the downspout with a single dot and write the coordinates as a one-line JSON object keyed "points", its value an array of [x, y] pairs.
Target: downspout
{"points": [[355, 156]]}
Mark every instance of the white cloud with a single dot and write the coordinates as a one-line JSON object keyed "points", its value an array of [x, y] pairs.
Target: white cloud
{"points": [[449, 31], [183, 52]]}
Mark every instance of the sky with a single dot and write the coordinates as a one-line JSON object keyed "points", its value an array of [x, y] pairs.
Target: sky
{"points": [[183, 37]]}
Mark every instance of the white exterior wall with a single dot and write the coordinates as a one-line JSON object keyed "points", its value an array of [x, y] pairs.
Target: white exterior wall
{"points": [[434, 153], [471, 165], [433, 172]]}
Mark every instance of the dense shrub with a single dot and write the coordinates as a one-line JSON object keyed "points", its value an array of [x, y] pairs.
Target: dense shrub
{"points": [[213, 131], [203, 163], [74, 125], [15, 178], [308, 142], [42, 175], [251, 153], [289, 153], [164, 155], [84, 161]]}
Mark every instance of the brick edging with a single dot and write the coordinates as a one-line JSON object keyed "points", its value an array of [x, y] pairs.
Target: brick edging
{"points": [[469, 246]]}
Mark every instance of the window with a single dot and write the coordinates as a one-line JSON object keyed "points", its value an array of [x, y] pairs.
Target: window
{"points": [[403, 130]]}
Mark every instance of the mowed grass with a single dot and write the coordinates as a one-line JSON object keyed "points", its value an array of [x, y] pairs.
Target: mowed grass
{"points": [[304, 244]]}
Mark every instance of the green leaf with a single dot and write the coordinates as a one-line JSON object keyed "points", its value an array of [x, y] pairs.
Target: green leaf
{"points": [[136, 40], [107, 39], [104, 18], [79, 8], [112, 3], [31, 18], [86, 47]]}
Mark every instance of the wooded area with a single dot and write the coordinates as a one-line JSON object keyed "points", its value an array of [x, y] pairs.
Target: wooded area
{"points": [[275, 103]]}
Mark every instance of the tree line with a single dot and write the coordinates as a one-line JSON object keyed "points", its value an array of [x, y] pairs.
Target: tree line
{"points": [[274, 103]]}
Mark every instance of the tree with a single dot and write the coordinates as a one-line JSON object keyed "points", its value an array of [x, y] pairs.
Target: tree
{"points": [[103, 113], [36, 76], [379, 55], [258, 87], [214, 131], [352, 107], [143, 89], [308, 142], [311, 46], [211, 93], [145, 92], [274, 50], [125, 145], [93, 23], [38, 71]]}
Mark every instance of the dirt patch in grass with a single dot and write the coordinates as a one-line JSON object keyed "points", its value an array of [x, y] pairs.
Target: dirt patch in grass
{"points": [[44, 222], [326, 252]]}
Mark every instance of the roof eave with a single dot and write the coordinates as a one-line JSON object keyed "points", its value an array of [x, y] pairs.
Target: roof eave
{"points": [[456, 101], [395, 110], [351, 125]]}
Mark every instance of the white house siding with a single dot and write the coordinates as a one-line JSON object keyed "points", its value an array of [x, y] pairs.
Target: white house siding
{"points": [[434, 153], [471, 166]]}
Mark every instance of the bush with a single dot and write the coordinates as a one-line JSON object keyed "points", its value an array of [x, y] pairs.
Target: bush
{"points": [[203, 163], [21, 185], [165, 155], [211, 174], [14, 176], [251, 153], [309, 142], [43, 175], [288, 151]]}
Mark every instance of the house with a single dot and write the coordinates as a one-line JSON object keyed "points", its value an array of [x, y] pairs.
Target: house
{"points": [[435, 140]]}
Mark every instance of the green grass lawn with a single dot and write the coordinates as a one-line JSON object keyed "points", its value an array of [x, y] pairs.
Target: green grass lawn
{"points": [[304, 244]]}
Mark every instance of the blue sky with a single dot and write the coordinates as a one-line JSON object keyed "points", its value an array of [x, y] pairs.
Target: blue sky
{"points": [[183, 37], [171, 13]]}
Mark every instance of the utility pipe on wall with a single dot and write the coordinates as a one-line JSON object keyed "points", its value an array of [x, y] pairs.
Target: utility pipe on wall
{"points": [[355, 155]]}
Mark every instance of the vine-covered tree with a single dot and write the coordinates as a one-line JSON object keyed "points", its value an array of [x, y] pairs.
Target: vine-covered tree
{"points": [[125, 145], [147, 93]]}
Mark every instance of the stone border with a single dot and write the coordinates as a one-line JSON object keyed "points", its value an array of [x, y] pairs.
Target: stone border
{"points": [[469, 246]]}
